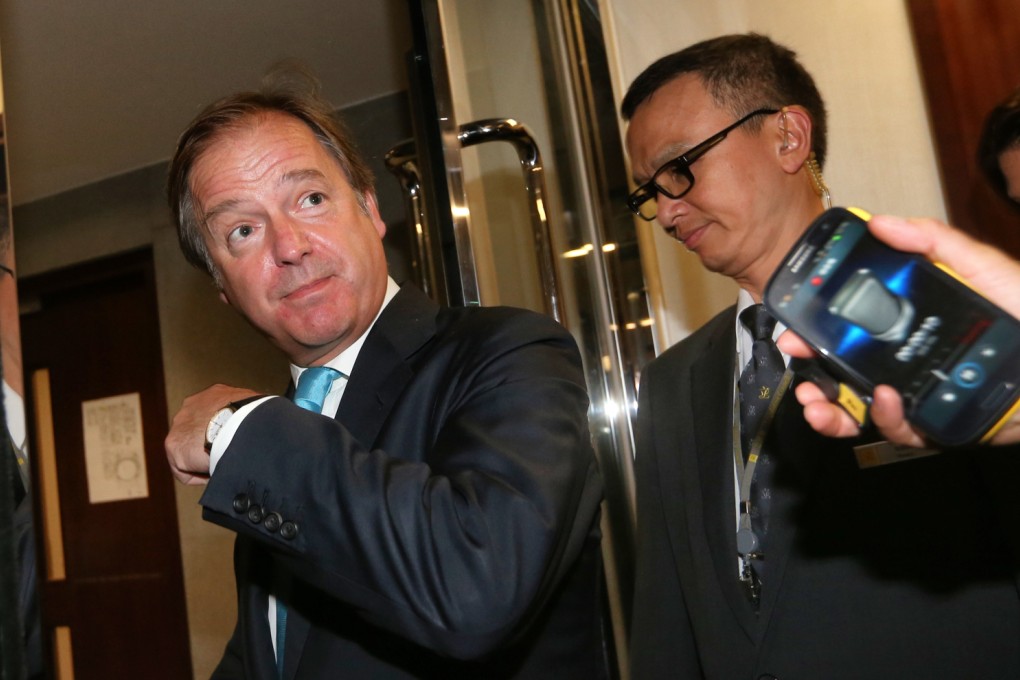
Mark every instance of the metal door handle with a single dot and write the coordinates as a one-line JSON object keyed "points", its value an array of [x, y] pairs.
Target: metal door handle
{"points": [[509, 130], [402, 161]]}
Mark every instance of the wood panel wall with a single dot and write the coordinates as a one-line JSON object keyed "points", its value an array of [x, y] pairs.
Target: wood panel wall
{"points": [[969, 52]]}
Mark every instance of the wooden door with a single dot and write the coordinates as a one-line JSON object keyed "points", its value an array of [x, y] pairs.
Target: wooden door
{"points": [[111, 583], [969, 52]]}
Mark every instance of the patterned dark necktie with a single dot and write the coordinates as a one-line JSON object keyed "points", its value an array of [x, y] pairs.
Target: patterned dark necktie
{"points": [[312, 388], [757, 386]]}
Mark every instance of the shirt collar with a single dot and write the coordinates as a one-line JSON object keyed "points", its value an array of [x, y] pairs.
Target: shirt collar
{"points": [[344, 362], [743, 335]]}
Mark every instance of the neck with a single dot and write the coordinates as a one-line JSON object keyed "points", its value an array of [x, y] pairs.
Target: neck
{"points": [[795, 221]]}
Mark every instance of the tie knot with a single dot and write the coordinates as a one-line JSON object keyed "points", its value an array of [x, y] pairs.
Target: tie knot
{"points": [[758, 321], [313, 386]]}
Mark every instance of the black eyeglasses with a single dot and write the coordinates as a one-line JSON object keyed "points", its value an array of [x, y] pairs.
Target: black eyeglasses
{"points": [[674, 178]]}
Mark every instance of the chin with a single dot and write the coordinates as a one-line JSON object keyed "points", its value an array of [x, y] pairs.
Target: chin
{"points": [[711, 265]]}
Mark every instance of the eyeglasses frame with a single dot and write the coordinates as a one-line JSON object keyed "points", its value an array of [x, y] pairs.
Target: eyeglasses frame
{"points": [[648, 190]]}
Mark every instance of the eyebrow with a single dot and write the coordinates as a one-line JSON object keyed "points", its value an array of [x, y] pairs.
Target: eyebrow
{"points": [[671, 152], [220, 208], [298, 175], [289, 177]]}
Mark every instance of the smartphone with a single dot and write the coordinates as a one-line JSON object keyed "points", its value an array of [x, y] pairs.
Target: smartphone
{"points": [[881, 316]]}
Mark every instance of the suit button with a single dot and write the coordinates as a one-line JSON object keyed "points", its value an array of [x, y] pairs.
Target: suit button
{"points": [[272, 522], [241, 503], [289, 530], [255, 514]]}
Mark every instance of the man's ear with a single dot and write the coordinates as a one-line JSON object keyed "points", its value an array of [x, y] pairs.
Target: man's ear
{"points": [[224, 299], [793, 137], [372, 209]]}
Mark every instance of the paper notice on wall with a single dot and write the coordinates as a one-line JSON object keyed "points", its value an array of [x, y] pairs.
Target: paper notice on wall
{"points": [[114, 449]]}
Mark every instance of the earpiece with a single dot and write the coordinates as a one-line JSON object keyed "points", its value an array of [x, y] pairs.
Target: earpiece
{"points": [[814, 172]]}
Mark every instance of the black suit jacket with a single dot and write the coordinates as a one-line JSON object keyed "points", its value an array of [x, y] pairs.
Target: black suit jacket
{"points": [[906, 570], [444, 526]]}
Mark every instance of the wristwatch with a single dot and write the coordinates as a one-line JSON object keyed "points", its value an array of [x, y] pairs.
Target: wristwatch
{"points": [[216, 424], [221, 417]]}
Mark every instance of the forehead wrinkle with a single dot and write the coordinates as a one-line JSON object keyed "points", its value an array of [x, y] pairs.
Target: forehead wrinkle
{"points": [[674, 150], [220, 208], [289, 177], [670, 152]]}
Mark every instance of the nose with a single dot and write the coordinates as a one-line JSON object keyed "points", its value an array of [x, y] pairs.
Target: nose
{"points": [[668, 210], [290, 242]]}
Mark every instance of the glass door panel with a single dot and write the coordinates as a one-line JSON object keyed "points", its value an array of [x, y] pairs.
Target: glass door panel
{"points": [[522, 187]]}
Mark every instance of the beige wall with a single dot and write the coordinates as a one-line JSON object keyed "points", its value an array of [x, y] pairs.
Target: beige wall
{"points": [[861, 55], [203, 342]]}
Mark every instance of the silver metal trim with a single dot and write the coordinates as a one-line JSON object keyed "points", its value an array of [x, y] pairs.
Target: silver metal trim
{"points": [[439, 70], [402, 161], [518, 136]]}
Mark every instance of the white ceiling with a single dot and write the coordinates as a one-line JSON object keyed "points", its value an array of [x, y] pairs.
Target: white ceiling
{"points": [[96, 88]]}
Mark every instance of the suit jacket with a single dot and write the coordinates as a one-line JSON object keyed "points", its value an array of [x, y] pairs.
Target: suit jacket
{"points": [[906, 570], [443, 526]]}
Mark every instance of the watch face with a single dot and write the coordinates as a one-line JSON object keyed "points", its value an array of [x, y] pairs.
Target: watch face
{"points": [[216, 424]]}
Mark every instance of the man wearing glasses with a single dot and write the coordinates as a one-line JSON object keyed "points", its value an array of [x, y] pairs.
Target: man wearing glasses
{"points": [[766, 550]]}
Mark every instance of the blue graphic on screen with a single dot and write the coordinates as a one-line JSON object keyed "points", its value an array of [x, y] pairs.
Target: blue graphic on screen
{"points": [[854, 336]]}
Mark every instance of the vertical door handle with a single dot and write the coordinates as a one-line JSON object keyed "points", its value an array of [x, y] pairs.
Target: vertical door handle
{"points": [[402, 161], [518, 136]]}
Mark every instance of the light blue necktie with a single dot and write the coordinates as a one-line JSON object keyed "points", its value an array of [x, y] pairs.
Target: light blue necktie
{"points": [[312, 388]]}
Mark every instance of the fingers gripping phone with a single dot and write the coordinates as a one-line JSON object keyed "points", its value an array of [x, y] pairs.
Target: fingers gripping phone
{"points": [[881, 316]]}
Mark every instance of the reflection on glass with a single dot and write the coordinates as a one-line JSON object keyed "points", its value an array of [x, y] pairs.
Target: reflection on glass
{"points": [[18, 558]]}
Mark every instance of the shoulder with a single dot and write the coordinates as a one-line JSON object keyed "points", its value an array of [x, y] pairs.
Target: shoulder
{"points": [[412, 309], [715, 336], [459, 341], [493, 326], [485, 344]]}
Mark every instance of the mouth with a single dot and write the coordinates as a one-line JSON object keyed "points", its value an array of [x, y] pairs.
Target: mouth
{"points": [[306, 290], [691, 238]]}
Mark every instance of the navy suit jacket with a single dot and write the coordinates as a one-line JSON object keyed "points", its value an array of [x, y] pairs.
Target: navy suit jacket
{"points": [[443, 526], [906, 570]]}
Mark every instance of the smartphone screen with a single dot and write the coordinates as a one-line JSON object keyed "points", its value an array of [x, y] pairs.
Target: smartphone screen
{"points": [[884, 316]]}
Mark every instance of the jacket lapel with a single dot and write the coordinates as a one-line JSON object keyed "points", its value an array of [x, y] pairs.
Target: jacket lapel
{"points": [[797, 451], [380, 373], [383, 369], [297, 633], [256, 564], [712, 405]]}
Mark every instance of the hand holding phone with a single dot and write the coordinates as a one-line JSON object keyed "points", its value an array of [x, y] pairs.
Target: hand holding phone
{"points": [[879, 315]]}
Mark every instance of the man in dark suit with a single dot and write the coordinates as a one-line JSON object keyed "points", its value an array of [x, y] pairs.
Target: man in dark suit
{"points": [[444, 523], [842, 568]]}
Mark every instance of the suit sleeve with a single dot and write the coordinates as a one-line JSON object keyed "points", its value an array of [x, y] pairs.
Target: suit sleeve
{"points": [[459, 526], [662, 641]]}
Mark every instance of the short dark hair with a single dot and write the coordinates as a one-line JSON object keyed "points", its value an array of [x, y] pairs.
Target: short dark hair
{"points": [[1000, 134], [288, 90], [742, 73]]}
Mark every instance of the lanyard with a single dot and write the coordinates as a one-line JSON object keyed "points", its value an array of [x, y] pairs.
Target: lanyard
{"points": [[747, 541]]}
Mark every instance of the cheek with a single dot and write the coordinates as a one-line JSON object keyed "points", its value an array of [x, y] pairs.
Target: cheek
{"points": [[242, 283]]}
